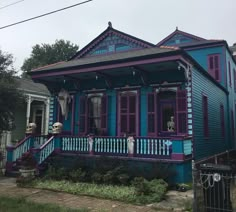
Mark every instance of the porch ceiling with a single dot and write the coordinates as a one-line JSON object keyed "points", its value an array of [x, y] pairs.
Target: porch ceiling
{"points": [[137, 75]]}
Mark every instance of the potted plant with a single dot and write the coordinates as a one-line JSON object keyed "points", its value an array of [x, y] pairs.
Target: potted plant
{"points": [[28, 165]]}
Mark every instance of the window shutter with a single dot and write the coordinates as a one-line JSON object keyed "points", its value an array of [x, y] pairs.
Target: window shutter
{"points": [[104, 109], [151, 113], [181, 111], [211, 66], [132, 114], [214, 66], [205, 116], [123, 114], [83, 115]]}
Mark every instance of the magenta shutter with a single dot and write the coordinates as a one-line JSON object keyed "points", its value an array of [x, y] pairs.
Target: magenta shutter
{"points": [[222, 121], [151, 114], [214, 66], [132, 114], [83, 115], [104, 109], [123, 114], [181, 111], [205, 116]]}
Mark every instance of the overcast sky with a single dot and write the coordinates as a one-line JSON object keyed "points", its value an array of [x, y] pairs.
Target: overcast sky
{"points": [[151, 20]]}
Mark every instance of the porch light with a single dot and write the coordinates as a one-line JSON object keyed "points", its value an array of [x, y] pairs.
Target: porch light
{"points": [[96, 77], [133, 72]]}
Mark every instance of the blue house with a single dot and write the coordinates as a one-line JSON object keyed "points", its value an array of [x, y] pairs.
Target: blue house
{"points": [[124, 97]]}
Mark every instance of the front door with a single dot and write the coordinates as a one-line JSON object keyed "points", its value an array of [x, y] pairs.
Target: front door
{"points": [[128, 113]]}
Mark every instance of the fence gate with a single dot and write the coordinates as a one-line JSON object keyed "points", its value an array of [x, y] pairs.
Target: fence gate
{"points": [[215, 188]]}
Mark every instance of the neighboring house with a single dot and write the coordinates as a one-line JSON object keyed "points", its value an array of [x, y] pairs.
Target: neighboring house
{"points": [[35, 109], [176, 99]]}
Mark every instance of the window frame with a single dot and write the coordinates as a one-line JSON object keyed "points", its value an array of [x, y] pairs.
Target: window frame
{"points": [[214, 66]]}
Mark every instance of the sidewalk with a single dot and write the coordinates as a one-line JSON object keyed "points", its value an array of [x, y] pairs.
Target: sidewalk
{"points": [[8, 188]]}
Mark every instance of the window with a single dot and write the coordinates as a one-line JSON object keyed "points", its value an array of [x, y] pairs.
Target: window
{"points": [[93, 114], [214, 66], [151, 113], [230, 80], [222, 121], [205, 116], [128, 113]]}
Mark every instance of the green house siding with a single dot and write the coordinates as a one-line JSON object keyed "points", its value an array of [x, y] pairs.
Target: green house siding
{"points": [[20, 122], [214, 143]]}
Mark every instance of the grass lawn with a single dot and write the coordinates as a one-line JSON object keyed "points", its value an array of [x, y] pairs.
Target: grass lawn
{"points": [[10, 204], [120, 193]]}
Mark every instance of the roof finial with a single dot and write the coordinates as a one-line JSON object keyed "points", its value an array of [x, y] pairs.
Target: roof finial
{"points": [[109, 24], [177, 28]]}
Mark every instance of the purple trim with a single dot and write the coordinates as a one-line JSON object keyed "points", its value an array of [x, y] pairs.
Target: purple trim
{"points": [[106, 33], [177, 156], [205, 116], [182, 33], [9, 166], [45, 144], [26, 138], [57, 150], [112, 66], [215, 66]]}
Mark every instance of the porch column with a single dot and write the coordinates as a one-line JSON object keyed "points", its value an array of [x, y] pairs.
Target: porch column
{"points": [[47, 103], [29, 100]]}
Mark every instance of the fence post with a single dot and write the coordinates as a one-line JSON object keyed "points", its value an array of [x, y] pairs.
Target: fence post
{"points": [[194, 177]]}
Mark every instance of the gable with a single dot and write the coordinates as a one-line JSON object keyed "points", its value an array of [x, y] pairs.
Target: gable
{"points": [[179, 37], [112, 41]]}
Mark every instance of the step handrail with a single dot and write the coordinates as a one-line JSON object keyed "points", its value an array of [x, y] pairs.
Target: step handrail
{"points": [[46, 150]]}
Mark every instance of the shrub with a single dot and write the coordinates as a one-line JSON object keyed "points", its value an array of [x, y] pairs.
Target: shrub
{"points": [[97, 177], [109, 177], [123, 179], [55, 173], [141, 186], [77, 175]]}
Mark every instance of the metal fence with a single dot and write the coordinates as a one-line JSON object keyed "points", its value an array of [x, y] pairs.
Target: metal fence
{"points": [[214, 187]]}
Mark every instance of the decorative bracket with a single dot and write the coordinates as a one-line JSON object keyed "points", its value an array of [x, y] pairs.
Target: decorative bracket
{"points": [[106, 78], [142, 73]]}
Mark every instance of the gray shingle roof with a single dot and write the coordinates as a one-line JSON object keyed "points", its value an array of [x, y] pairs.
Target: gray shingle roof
{"points": [[28, 86], [106, 58]]}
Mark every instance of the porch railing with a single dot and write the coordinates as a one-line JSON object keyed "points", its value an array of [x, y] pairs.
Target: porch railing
{"points": [[153, 147], [46, 150], [72, 143]]}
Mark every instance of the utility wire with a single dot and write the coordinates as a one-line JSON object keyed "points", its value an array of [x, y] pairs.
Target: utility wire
{"points": [[45, 14], [11, 4]]}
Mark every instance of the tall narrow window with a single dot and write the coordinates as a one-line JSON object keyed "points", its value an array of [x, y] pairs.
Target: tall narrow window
{"points": [[230, 80], [151, 114], [205, 116], [181, 102], [128, 113], [214, 66], [83, 115], [222, 121]]}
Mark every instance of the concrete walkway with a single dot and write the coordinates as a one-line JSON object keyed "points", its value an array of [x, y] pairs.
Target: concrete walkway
{"points": [[8, 188]]}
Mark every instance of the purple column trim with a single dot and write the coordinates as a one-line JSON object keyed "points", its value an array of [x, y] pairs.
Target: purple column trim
{"points": [[177, 156], [9, 166]]}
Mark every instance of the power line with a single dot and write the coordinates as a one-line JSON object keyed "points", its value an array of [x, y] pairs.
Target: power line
{"points": [[11, 4], [45, 14]]}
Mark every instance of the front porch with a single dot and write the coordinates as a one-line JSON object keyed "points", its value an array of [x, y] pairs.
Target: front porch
{"points": [[163, 149]]}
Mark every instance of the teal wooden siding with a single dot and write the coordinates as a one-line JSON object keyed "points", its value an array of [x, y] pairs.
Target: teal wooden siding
{"points": [[232, 93], [143, 110], [178, 39], [200, 55], [112, 112], [214, 143]]}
